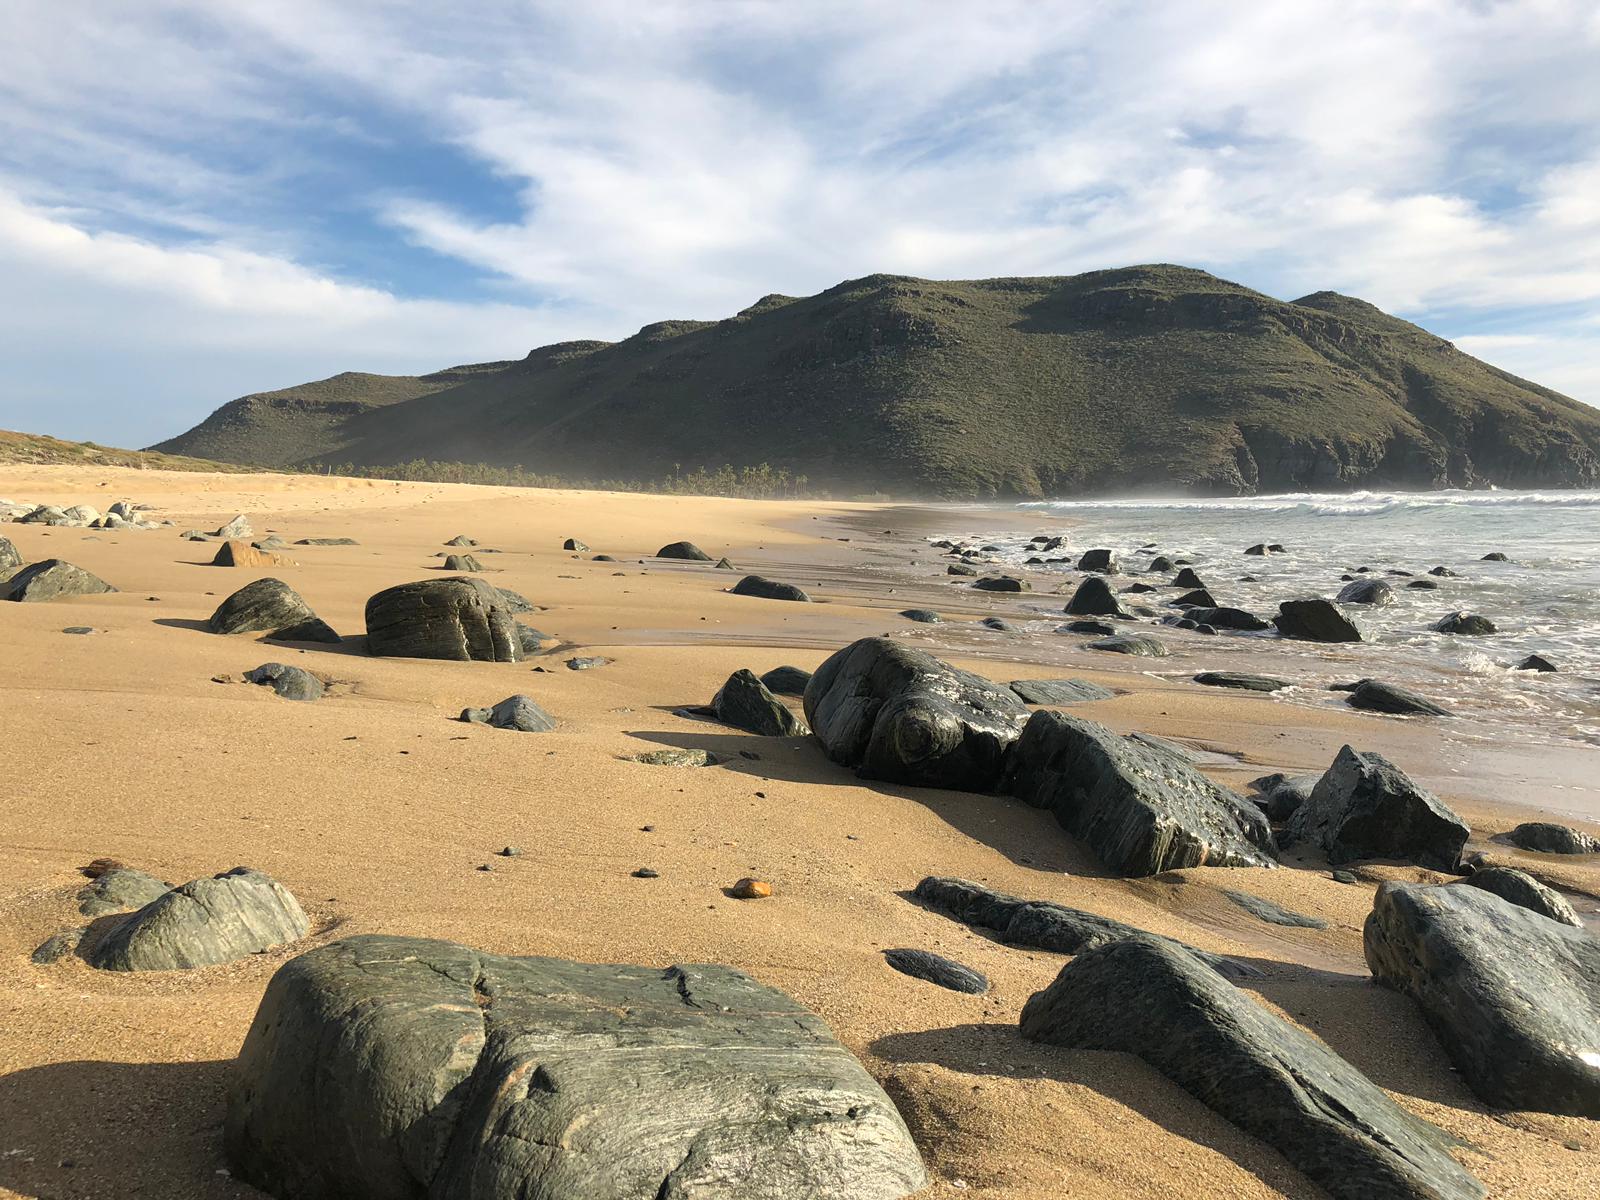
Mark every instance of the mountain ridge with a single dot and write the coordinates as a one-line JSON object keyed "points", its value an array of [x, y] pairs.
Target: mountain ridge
{"points": [[1132, 377]]}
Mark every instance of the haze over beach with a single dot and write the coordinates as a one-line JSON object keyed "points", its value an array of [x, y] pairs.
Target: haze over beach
{"points": [[803, 602]]}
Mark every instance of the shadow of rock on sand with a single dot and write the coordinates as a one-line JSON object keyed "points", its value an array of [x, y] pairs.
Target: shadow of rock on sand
{"points": [[999, 1051], [1029, 837], [82, 1129], [352, 645]]}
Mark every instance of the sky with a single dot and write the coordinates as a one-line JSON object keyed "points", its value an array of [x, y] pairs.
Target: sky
{"points": [[199, 200]]}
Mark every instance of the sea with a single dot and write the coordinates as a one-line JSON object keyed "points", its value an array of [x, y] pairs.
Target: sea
{"points": [[1545, 599]]}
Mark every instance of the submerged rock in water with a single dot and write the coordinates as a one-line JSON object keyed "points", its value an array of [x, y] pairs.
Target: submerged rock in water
{"points": [[517, 712], [1247, 683], [1513, 996], [1103, 561], [1520, 888], [1366, 807], [768, 589], [1136, 644], [443, 618], [1094, 598], [922, 616], [1096, 628], [1003, 583], [1550, 838], [1374, 696], [901, 715], [1536, 662], [382, 1067], [1228, 618], [1251, 1066], [1373, 591], [1465, 624], [1139, 810], [1316, 621], [745, 703], [937, 969], [202, 923]]}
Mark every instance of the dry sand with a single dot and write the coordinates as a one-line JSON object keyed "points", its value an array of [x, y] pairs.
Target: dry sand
{"points": [[377, 809]]}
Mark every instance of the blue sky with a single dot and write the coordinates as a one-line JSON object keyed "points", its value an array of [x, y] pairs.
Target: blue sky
{"points": [[199, 200]]}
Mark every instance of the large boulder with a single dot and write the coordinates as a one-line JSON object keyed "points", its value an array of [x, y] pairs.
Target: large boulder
{"points": [[683, 550], [1223, 617], [768, 589], [1373, 591], [1103, 561], [204, 922], [273, 607], [1513, 996], [53, 579], [457, 618], [745, 703], [517, 712], [1316, 621], [1520, 888], [1139, 810], [381, 1068], [1366, 807], [1094, 598], [901, 715], [1253, 1067], [1547, 837]]}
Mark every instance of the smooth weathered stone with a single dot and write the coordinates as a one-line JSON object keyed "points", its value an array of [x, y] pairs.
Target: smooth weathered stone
{"points": [[1254, 1068], [787, 681], [1102, 561], [1003, 583], [676, 758], [204, 922], [1094, 598], [922, 616], [1465, 624], [937, 969], [328, 541], [1375, 696], [292, 683], [462, 562], [683, 550], [381, 1068], [768, 589], [1136, 644], [1247, 683], [1373, 591], [58, 946], [1272, 913], [745, 703], [517, 712], [53, 579], [1139, 810], [1549, 838], [901, 715], [1281, 794], [1513, 996], [459, 618], [1059, 691], [121, 889], [1520, 888], [1366, 807], [1316, 621], [9, 558], [1046, 925], [239, 527], [1222, 617], [273, 607]]}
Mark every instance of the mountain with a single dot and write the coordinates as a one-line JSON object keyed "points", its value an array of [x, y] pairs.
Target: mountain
{"points": [[1151, 377]]}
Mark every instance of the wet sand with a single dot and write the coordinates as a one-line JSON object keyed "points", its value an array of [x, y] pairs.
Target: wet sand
{"points": [[376, 809]]}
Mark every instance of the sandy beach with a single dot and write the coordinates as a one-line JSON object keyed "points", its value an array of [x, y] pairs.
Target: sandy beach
{"points": [[377, 808]]}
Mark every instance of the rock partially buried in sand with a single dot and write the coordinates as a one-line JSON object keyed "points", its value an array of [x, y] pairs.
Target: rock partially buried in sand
{"points": [[1520, 888], [1273, 914], [687, 551], [202, 923], [751, 889], [1094, 598], [239, 527], [745, 703], [121, 889], [327, 541], [676, 758], [9, 558], [1059, 691], [937, 969], [1513, 996], [787, 681], [1366, 807], [385, 1067], [903, 716], [922, 616], [1550, 838], [514, 712], [292, 683], [462, 562], [575, 544], [1251, 1066], [1003, 583], [1136, 644], [462, 619], [273, 607], [1316, 621], [1245, 683], [1140, 811], [768, 589], [1376, 696], [463, 540], [53, 579]]}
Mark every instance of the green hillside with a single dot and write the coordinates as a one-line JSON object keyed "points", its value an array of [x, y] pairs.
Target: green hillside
{"points": [[1143, 377]]}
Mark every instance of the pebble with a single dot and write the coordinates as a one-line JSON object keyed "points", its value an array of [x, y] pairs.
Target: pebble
{"points": [[750, 889], [511, 852], [647, 873]]}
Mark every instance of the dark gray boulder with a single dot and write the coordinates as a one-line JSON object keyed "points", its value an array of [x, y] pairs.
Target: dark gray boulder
{"points": [[1536, 662], [1199, 598], [273, 607], [443, 618], [1442, 572], [1045, 925], [724, 565], [1366, 807], [1228, 618], [516, 601], [1003, 583], [960, 569], [1266, 1076], [1423, 585], [121, 889], [530, 639], [385, 1067], [53, 579], [901, 715], [1245, 683], [1465, 624], [202, 923], [1549, 838], [574, 544], [1279, 795], [1160, 565], [1189, 578], [1059, 691], [462, 562], [937, 969], [1376, 696], [1316, 621], [768, 589], [1373, 591], [1097, 628], [517, 712], [1136, 644], [745, 703], [787, 681], [998, 624], [1520, 888], [1094, 598], [1495, 556], [686, 551], [1103, 561], [922, 616], [1513, 996], [292, 683], [1139, 810]]}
